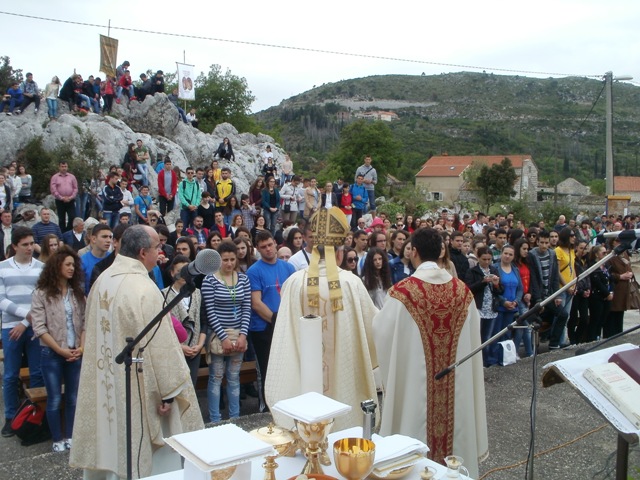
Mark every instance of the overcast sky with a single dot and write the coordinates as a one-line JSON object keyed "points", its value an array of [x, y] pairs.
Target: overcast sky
{"points": [[581, 37]]}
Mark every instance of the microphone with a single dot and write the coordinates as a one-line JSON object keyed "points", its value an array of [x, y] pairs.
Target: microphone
{"points": [[207, 262], [631, 234]]}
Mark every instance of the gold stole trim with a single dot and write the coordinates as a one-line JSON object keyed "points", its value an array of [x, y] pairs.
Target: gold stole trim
{"points": [[439, 312]]}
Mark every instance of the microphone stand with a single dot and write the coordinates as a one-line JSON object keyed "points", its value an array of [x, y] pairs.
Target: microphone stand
{"points": [[582, 351], [520, 323], [126, 357]]}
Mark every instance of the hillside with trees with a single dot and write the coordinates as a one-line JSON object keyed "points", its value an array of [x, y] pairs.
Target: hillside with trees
{"points": [[559, 121]]}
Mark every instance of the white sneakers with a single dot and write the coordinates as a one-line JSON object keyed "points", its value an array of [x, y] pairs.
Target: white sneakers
{"points": [[62, 445]]}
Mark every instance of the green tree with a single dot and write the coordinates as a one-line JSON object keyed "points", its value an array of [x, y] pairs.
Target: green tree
{"points": [[8, 74], [598, 187], [223, 97], [362, 138], [495, 183]]}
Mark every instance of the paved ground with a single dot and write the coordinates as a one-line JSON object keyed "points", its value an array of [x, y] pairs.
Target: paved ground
{"points": [[562, 418]]}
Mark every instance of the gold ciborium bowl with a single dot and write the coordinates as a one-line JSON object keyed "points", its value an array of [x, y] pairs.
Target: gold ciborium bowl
{"points": [[353, 457]]}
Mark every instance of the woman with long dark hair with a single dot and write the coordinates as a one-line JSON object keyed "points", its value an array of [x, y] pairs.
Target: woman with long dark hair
{"points": [[48, 246], [227, 299], [225, 150], [57, 312], [579, 317], [401, 266], [622, 275], [601, 294], [259, 226], [566, 256], [511, 298], [246, 256], [271, 204], [231, 209], [350, 260], [376, 275], [214, 240], [531, 290], [294, 240], [255, 192]]}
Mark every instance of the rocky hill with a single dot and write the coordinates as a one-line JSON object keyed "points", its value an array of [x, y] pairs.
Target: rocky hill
{"points": [[472, 113], [155, 121]]}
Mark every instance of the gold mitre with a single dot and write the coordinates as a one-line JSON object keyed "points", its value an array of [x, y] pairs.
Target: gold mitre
{"points": [[329, 228]]}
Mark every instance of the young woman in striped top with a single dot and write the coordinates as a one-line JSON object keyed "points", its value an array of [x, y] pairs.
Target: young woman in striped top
{"points": [[227, 300]]}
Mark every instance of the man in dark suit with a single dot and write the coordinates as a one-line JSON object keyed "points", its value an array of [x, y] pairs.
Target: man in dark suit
{"points": [[6, 228], [75, 238]]}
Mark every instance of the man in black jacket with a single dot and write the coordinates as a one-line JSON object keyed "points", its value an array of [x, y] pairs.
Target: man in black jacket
{"points": [[459, 259]]}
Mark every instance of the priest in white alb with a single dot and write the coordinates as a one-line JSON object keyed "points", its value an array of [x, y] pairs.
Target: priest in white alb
{"points": [[429, 321], [343, 369], [121, 303]]}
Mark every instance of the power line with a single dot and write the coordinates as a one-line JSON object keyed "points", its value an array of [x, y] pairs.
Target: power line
{"points": [[590, 111], [303, 49]]}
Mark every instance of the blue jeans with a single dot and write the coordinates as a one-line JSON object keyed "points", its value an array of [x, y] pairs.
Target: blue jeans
{"points": [[56, 371], [228, 366], [13, 350], [270, 220], [144, 170], [567, 301], [112, 218], [182, 114], [52, 104], [187, 217], [372, 200], [486, 330]]}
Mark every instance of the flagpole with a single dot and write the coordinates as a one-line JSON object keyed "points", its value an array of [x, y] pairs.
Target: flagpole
{"points": [[109, 29], [184, 60]]}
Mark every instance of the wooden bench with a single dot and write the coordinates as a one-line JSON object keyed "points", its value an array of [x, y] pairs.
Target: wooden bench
{"points": [[248, 374], [37, 395]]}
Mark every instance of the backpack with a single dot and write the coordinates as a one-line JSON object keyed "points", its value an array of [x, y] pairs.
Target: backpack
{"points": [[30, 424]]}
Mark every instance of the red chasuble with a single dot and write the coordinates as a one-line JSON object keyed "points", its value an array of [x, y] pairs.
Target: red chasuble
{"points": [[439, 312]]}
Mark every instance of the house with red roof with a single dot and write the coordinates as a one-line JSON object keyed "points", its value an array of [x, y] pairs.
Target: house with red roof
{"points": [[442, 179], [627, 186]]}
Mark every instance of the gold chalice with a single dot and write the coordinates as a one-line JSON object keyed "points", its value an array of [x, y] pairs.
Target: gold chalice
{"points": [[353, 457], [283, 442], [313, 434]]}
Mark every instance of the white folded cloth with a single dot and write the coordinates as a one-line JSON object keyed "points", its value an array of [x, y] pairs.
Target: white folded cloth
{"points": [[222, 445], [311, 407]]}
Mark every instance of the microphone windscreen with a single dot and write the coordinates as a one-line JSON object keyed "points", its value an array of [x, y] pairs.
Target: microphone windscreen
{"points": [[207, 262]]}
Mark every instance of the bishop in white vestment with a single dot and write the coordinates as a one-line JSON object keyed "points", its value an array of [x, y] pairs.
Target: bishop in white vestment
{"points": [[341, 300]]}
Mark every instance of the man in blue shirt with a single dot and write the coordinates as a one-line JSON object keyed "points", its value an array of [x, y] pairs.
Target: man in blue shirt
{"points": [[360, 199], [142, 204], [266, 276], [101, 237]]}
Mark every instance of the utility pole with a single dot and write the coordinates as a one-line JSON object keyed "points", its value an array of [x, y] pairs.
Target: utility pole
{"points": [[608, 79]]}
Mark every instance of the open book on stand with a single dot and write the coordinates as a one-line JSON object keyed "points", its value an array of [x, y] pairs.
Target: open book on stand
{"points": [[618, 387]]}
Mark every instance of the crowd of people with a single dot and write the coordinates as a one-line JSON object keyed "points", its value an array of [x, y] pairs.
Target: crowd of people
{"points": [[51, 273], [94, 94]]}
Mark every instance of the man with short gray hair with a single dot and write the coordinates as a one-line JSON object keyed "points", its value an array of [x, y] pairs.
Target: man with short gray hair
{"points": [[121, 303]]}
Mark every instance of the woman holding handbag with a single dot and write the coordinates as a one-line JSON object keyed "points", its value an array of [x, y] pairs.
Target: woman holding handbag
{"points": [[227, 299], [623, 292]]}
